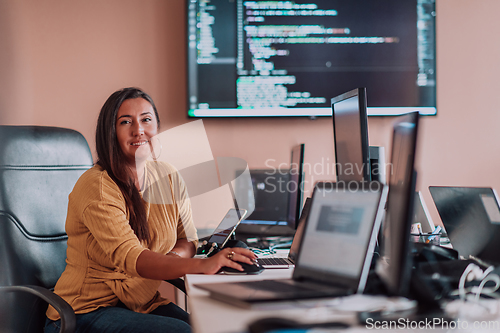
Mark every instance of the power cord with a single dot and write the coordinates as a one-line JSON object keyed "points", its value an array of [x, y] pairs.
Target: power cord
{"points": [[473, 272], [281, 246], [269, 244], [470, 303]]}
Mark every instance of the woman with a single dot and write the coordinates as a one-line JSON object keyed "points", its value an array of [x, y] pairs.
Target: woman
{"points": [[121, 246]]}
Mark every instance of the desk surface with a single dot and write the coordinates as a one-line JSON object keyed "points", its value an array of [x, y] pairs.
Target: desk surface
{"points": [[212, 316]]}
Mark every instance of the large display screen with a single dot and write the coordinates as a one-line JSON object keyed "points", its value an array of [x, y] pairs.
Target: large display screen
{"points": [[289, 58]]}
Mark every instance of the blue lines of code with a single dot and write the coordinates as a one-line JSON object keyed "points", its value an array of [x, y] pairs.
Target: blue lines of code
{"points": [[272, 85]]}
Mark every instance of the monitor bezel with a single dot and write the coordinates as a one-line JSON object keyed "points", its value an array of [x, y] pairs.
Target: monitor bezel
{"points": [[360, 93], [293, 215], [396, 275], [354, 284]]}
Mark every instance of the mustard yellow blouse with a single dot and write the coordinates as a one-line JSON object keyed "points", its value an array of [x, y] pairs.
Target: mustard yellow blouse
{"points": [[102, 247]]}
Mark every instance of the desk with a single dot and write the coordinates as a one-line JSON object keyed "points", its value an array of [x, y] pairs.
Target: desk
{"points": [[212, 316]]}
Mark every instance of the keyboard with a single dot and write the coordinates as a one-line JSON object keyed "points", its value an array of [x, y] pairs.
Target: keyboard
{"points": [[269, 262]]}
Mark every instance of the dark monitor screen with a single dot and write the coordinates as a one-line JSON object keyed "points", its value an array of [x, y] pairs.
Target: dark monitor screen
{"points": [[350, 135], [288, 58], [269, 201], [395, 264], [295, 186], [271, 196]]}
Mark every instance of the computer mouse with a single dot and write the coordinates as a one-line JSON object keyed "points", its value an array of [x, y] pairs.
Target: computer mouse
{"points": [[271, 324], [247, 269], [289, 325]]}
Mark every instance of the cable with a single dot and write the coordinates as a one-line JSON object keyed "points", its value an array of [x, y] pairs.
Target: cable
{"points": [[260, 251], [488, 291], [261, 245], [473, 307], [473, 272], [281, 245], [461, 283]]}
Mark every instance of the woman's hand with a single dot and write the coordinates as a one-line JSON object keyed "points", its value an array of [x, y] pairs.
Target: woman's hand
{"points": [[228, 257], [156, 266]]}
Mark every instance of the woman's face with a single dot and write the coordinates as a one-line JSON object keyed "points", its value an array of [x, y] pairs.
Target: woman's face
{"points": [[136, 124]]}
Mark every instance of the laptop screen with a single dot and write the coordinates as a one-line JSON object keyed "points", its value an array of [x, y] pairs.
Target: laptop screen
{"points": [[339, 230], [471, 217], [297, 238], [226, 227]]}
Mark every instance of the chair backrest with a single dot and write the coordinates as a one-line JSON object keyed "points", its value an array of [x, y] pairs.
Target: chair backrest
{"points": [[38, 168]]}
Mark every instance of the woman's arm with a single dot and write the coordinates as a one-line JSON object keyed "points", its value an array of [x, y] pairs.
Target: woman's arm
{"points": [[156, 266], [183, 248]]}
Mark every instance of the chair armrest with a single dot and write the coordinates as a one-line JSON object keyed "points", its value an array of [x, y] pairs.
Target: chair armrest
{"points": [[178, 283], [68, 318]]}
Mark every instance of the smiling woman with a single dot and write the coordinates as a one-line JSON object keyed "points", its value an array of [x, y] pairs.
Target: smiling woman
{"points": [[120, 247], [121, 128]]}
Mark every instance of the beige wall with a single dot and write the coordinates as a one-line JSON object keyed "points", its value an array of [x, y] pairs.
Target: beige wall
{"points": [[59, 60]]}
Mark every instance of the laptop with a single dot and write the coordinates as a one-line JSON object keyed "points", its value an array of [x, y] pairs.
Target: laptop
{"points": [[277, 262], [471, 217], [335, 252], [222, 234]]}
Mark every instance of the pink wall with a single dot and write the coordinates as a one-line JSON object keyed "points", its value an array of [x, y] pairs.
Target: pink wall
{"points": [[59, 60]]}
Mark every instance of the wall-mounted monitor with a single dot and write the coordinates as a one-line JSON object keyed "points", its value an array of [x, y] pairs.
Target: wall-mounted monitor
{"points": [[350, 136], [289, 58]]}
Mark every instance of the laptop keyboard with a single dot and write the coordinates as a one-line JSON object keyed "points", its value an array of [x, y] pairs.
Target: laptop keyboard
{"points": [[273, 261]]}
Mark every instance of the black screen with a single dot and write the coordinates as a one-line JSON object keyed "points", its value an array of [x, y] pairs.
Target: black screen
{"points": [[295, 186], [471, 217], [270, 191], [396, 229], [350, 133]]}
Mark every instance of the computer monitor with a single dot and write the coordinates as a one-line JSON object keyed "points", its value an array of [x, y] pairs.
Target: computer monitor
{"points": [[288, 58], [269, 201], [295, 186], [277, 198], [350, 135], [394, 266]]}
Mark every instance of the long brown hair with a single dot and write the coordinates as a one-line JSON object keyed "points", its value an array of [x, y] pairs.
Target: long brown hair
{"points": [[111, 158]]}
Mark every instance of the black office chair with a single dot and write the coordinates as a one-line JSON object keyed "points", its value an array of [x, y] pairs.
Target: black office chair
{"points": [[38, 168]]}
